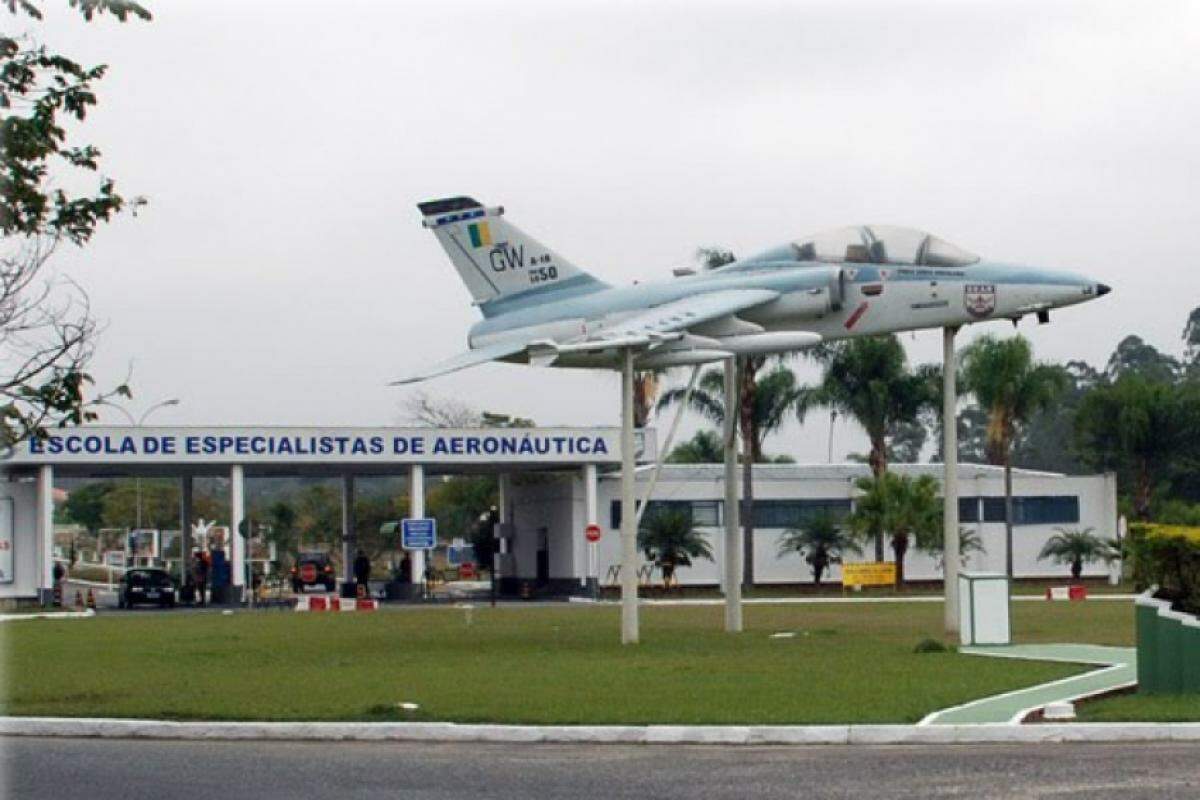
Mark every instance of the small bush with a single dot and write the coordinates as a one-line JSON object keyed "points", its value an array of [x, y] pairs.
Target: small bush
{"points": [[930, 646]]}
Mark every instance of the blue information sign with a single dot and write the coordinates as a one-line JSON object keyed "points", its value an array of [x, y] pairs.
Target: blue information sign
{"points": [[418, 534]]}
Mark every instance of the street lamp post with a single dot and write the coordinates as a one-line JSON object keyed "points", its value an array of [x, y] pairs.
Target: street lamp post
{"points": [[137, 423]]}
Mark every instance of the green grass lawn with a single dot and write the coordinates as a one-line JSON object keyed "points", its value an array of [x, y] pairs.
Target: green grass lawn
{"points": [[847, 663], [1141, 708]]}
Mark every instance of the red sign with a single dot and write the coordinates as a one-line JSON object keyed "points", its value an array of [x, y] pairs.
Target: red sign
{"points": [[308, 573], [592, 532]]}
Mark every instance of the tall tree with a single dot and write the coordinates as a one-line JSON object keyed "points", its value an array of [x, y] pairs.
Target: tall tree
{"points": [[869, 380], [1191, 343], [763, 408], [1136, 357], [1011, 388], [46, 327], [85, 505], [1046, 441], [1138, 428]]}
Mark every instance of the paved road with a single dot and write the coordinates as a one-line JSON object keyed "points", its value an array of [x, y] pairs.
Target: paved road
{"points": [[64, 769]]}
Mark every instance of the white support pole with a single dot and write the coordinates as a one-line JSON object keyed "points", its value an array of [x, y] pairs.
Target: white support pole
{"points": [[629, 559], [185, 527], [349, 535], [237, 512], [503, 517], [950, 560], [45, 533], [733, 530], [416, 510], [591, 517]]}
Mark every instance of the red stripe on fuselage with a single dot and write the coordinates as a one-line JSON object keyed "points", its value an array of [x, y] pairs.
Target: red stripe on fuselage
{"points": [[857, 315]]}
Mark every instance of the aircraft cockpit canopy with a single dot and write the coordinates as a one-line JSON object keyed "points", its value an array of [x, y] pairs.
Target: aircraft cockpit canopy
{"points": [[881, 244]]}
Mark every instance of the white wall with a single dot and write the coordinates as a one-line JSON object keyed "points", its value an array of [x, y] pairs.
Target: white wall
{"points": [[26, 564], [554, 502], [1096, 493]]}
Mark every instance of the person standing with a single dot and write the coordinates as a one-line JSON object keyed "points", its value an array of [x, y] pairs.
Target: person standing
{"points": [[200, 575], [362, 571]]}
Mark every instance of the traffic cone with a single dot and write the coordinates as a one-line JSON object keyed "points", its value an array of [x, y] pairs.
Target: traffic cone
{"points": [[91, 601], [78, 600]]}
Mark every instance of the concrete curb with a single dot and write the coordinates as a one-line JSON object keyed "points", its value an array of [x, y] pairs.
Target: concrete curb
{"points": [[599, 734], [48, 615]]}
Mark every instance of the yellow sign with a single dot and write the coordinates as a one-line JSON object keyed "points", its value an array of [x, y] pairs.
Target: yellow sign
{"points": [[869, 573]]}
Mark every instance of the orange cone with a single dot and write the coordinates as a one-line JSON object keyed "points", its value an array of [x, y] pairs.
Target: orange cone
{"points": [[91, 601]]}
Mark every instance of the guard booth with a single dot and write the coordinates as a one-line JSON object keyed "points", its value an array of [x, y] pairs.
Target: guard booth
{"points": [[29, 470]]}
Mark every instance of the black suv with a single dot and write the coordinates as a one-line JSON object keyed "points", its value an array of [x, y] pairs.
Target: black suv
{"points": [[149, 586], [313, 569]]}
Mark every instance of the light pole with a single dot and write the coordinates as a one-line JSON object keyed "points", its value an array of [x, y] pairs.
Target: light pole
{"points": [[137, 423]]}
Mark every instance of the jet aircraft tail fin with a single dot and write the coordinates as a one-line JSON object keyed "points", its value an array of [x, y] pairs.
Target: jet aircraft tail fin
{"points": [[503, 267]]}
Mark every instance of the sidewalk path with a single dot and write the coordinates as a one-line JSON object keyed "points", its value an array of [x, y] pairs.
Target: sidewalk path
{"points": [[1119, 669]]}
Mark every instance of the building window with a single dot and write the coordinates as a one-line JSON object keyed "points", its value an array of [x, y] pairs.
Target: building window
{"points": [[993, 509], [1049, 510], [704, 513], [1034, 510], [790, 513], [968, 509]]}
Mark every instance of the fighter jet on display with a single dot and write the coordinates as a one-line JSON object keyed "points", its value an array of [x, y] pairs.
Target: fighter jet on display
{"points": [[539, 308]]}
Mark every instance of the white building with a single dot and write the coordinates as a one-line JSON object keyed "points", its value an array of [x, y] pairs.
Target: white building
{"points": [[546, 477], [548, 515]]}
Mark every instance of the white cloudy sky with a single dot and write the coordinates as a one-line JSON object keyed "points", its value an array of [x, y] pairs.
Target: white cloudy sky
{"points": [[280, 274]]}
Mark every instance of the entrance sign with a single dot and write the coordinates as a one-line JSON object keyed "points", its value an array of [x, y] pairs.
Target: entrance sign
{"points": [[91, 444], [869, 573], [592, 532], [418, 534]]}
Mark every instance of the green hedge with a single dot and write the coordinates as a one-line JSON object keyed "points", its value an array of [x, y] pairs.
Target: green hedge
{"points": [[1167, 556]]}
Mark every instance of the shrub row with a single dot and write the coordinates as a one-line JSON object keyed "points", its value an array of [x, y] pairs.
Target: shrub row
{"points": [[1167, 556]]}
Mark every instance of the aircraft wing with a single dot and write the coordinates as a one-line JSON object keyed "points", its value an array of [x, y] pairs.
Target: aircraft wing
{"points": [[471, 358], [649, 327], [677, 316]]}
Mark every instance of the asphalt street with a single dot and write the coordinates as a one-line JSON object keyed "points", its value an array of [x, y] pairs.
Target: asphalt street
{"points": [[128, 769]]}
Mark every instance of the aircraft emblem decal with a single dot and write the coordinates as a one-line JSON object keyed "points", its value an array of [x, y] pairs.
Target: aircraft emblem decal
{"points": [[979, 298]]}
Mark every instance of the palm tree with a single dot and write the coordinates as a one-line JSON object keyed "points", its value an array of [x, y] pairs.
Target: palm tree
{"points": [[703, 448], [764, 403], [645, 392], [669, 539], [869, 380], [905, 508], [1011, 388], [1075, 547], [820, 540]]}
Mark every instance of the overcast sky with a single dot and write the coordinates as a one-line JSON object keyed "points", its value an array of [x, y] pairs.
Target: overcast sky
{"points": [[280, 274]]}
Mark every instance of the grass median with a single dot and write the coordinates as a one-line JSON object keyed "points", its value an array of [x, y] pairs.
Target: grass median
{"points": [[540, 665]]}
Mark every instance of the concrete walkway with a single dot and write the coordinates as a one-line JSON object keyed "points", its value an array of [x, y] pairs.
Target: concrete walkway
{"points": [[1119, 669]]}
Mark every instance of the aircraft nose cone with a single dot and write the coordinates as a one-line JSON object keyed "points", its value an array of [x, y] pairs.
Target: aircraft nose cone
{"points": [[1102, 289]]}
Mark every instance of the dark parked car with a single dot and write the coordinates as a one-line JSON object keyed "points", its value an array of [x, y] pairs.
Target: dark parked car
{"points": [[143, 585], [313, 569]]}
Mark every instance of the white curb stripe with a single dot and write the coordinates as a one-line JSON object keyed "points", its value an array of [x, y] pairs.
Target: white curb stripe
{"points": [[600, 734]]}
